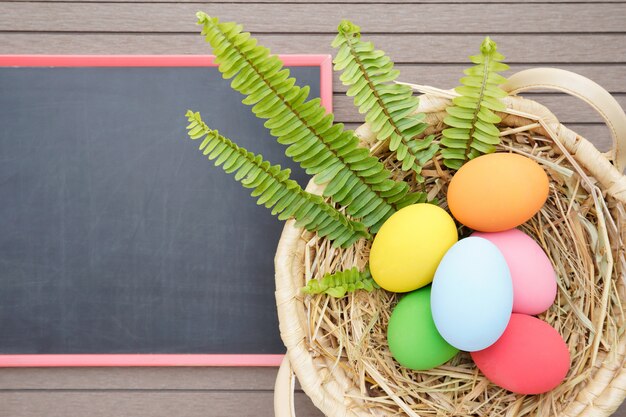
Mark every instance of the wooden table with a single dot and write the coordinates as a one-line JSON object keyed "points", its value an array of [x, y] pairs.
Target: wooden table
{"points": [[429, 40]]}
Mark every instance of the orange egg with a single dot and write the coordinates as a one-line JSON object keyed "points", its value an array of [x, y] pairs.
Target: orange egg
{"points": [[497, 191]]}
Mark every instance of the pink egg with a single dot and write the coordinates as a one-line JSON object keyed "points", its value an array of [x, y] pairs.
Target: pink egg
{"points": [[529, 358], [534, 279]]}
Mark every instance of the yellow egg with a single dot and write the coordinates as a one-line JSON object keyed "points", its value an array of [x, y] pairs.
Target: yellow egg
{"points": [[409, 246]]}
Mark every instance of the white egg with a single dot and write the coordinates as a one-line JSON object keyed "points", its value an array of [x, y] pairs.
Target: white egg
{"points": [[472, 294]]}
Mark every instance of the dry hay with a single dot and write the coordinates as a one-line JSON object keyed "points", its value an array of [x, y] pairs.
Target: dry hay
{"points": [[573, 228]]}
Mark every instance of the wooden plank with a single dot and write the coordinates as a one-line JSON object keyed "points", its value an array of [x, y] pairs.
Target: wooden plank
{"points": [[422, 49], [332, 2], [146, 403], [191, 378], [276, 18], [154, 404], [611, 77], [154, 390], [567, 108]]}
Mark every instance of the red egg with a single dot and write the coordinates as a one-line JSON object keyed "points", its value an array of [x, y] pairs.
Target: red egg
{"points": [[529, 358]]}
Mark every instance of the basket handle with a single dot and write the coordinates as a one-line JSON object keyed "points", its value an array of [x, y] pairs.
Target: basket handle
{"points": [[586, 90], [283, 390]]}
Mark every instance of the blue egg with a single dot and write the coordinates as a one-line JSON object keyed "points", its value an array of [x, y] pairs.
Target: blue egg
{"points": [[472, 295]]}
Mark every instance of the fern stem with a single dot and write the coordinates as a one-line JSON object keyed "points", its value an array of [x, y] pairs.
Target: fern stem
{"points": [[390, 108], [294, 111], [285, 102], [472, 120], [340, 283], [379, 100], [468, 147], [382, 196], [274, 187]]}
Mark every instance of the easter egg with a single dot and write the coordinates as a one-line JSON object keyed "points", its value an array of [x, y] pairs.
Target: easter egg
{"points": [[412, 336], [472, 294], [497, 192], [534, 279], [409, 245], [529, 358]]}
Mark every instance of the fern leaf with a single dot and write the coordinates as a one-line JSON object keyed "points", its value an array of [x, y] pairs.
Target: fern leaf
{"points": [[390, 108], [340, 283], [355, 179], [273, 187], [472, 120]]}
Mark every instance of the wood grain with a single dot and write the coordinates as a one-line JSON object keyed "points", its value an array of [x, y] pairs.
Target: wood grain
{"points": [[275, 18], [429, 39], [185, 378], [155, 402], [611, 77], [422, 49], [568, 109], [396, 3], [145, 403]]}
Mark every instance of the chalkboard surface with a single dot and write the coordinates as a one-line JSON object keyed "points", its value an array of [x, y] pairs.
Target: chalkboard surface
{"points": [[116, 234]]}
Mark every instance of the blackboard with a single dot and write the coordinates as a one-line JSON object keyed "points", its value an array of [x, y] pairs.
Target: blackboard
{"points": [[116, 235]]}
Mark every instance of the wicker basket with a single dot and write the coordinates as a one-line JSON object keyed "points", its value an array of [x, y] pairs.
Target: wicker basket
{"points": [[324, 337]]}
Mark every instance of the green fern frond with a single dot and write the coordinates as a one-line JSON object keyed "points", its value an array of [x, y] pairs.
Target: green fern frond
{"points": [[390, 108], [472, 118], [355, 179], [273, 187], [340, 283]]}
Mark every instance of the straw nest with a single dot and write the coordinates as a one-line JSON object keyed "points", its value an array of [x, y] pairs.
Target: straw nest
{"points": [[581, 228]]}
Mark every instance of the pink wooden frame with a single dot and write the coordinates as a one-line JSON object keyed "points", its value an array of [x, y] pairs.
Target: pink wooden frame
{"points": [[64, 360], [322, 61]]}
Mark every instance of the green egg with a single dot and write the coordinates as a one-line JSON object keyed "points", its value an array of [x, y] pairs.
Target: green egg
{"points": [[412, 336]]}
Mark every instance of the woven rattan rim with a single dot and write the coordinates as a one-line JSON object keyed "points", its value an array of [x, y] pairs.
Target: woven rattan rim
{"points": [[332, 391]]}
